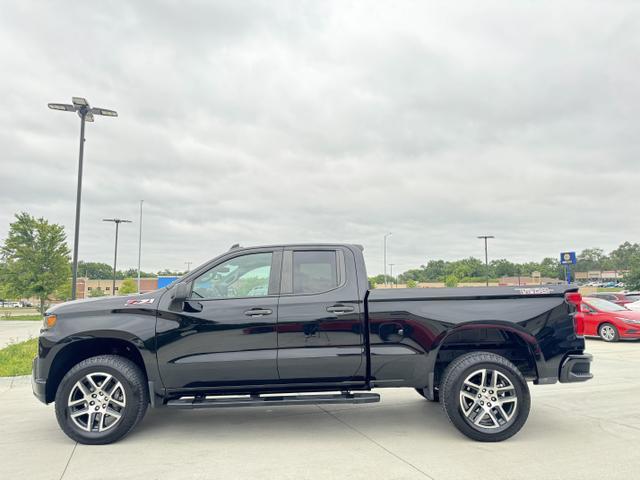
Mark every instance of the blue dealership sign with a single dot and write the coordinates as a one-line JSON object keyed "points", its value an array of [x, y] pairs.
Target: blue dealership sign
{"points": [[568, 258], [166, 281]]}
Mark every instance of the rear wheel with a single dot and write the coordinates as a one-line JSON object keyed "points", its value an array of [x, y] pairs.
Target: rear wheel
{"points": [[485, 396], [101, 399], [608, 332]]}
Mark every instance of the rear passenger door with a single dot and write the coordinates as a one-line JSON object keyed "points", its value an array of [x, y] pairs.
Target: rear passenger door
{"points": [[320, 317]]}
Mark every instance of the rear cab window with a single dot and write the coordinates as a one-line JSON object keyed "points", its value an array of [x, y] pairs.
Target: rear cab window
{"points": [[314, 271], [308, 272]]}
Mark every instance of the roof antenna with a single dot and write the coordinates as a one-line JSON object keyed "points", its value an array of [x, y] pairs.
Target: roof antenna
{"points": [[234, 246]]}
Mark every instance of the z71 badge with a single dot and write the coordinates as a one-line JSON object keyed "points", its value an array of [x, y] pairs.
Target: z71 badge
{"points": [[140, 301]]}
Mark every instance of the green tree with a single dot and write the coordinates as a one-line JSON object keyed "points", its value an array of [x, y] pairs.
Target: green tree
{"points": [[451, 281], [551, 268], [96, 292], [95, 270], [503, 268], [36, 258], [591, 259], [632, 278], [133, 272], [64, 291], [625, 256], [168, 273], [128, 287], [412, 284], [379, 279]]}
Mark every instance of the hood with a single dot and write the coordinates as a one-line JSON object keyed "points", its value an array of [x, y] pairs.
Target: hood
{"points": [[148, 300], [631, 315]]}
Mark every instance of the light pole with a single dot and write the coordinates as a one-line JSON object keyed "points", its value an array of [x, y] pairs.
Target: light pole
{"points": [[117, 221], [385, 257], [486, 255], [140, 244], [188, 264], [391, 274], [86, 113]]}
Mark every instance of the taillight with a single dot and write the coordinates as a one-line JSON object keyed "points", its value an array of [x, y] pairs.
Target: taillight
{"points": [[578, 318]]}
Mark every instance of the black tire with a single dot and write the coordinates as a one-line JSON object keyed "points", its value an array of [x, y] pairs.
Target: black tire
{"points": [[609, 332], [436, 396], [135, 397], [452, 385]]}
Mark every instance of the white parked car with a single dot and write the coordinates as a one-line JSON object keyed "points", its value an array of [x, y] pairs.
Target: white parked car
{"points": [[633, 306], [13, 304]]}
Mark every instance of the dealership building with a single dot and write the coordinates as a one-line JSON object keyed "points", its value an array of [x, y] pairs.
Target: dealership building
{"points": [[85, 287]]}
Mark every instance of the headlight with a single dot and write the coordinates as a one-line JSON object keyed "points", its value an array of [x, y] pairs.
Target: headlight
{"points": [[49, 321], [628, 320]]}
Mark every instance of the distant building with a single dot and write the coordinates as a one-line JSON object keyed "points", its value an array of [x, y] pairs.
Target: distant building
{"points": [[528, 280], [598, 275], [85, 286]]}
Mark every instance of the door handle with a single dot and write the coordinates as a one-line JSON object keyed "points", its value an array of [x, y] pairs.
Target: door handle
{"points": [[258, 312], [340, 309]]}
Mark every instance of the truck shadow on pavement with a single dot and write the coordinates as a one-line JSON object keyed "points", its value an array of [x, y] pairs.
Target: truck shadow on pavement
{"points": [[418, 419]]}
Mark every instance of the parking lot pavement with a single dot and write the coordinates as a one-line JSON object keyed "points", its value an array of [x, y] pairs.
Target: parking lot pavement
{"points": [[586, 431], [12, 331]]}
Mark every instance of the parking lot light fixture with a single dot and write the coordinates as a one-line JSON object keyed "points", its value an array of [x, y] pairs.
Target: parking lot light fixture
{"points": [[384, 261], [486, 254], [86, 113]]}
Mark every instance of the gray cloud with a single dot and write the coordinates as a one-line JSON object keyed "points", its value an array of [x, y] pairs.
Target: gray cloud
{"points": [[260, 122]]}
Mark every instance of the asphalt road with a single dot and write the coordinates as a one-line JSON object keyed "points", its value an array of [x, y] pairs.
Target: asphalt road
{"points": [[585, 431], [13, 331]]}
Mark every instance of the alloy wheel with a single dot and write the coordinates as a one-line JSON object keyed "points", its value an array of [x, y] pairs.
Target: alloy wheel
{"points": [[607, 332], [96, 402], [488, 400]]}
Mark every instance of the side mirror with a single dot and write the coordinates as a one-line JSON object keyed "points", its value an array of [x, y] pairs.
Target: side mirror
{"points": [[180, 292]]}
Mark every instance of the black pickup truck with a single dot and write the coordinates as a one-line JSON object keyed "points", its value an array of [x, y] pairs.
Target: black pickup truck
{"points": [[298, 324]]}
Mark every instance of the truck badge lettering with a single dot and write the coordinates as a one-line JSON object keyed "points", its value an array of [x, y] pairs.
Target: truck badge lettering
{"points": [[140, 301], [533, 291]]}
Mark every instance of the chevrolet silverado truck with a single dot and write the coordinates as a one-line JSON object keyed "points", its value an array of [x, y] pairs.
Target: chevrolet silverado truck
{"points": [[298, 324]]}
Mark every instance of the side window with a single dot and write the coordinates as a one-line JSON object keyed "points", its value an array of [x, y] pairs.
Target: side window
{"points": [[314, 271], [244, 276]]}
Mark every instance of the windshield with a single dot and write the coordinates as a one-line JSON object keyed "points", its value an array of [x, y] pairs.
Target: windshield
{"points": [[604, 305], [633, 298]]}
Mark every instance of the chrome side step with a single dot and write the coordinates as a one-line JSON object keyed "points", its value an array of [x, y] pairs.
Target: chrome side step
{"points": [[270, 401]]}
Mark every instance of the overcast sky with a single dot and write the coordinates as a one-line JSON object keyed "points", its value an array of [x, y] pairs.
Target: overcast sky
{"points": [[274, 121]]}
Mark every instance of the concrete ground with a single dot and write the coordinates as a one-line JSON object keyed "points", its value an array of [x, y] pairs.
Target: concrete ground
{"points": [[585, 431], [13, 331]]}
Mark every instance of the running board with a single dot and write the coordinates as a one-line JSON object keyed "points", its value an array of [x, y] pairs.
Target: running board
{"points": [[260, 401]]}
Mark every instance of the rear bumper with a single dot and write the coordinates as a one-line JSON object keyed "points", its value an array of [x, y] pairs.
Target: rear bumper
{"points": [[576, 368], [38, 385]]}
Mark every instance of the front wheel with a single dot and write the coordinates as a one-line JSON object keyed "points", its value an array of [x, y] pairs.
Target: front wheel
{"points": [[101, 399], [485, 396], [608, 332]]}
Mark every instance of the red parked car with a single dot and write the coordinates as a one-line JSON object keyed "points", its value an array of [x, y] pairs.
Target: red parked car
{"points": [[617, 298], [609, 321]]}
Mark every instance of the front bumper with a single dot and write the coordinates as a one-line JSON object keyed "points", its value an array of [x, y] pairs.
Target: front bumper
{"points": [[38, 385], [576, 368], [630, 332]]}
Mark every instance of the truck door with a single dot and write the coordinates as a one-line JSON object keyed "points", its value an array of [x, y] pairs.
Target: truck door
{"points": [[225, 333], [320, 317]]}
